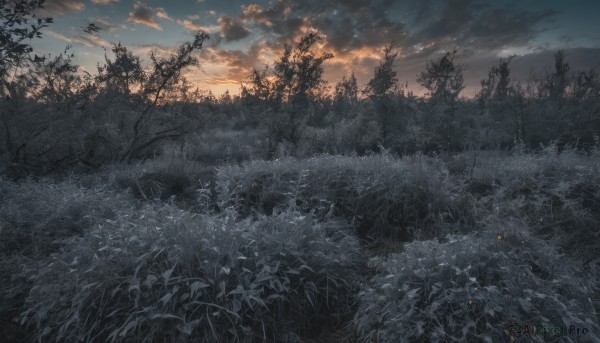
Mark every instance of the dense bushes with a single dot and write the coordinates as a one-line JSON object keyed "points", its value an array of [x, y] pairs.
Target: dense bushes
{"points": [[37, 215], [473, 288], [161, 273], [276, 249], [384, 196], [164, 274]]}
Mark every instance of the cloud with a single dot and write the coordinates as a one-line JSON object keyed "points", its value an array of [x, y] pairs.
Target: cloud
{"points": [[190, 25], [470, 25], [105, 24], [105, 2], [85, 40], [161, 13], [58, 7], [232, 29], [145, 15]]}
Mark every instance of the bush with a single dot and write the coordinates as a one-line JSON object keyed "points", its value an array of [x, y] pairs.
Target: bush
{"points": [[39, 218], [472, 288], [163, 274], [385, 197], [36, 216]]}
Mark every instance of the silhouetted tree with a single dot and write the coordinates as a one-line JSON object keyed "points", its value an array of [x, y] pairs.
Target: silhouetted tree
{"points": [[299, 71], [165, 73], [443, 78], [559, 80], [382, 87], [584, 84], [16, 30], [347, 90], [261, 87], [297, 83], [56, 78], [123, 73], [384, 82], [18, 26], [495, 98]]}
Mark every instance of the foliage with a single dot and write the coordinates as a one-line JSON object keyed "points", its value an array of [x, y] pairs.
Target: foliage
{"points": [[165, 274], [443, 78], [124, 74], [297, 83], [472, 288], [382, 196], [165, 74], [15, 29], [384, 81]]}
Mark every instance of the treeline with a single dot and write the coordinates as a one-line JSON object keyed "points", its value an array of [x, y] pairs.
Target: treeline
{"points": [[55, 117]]}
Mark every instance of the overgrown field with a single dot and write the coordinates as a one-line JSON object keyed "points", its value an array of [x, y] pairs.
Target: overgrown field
{"points": [[326, 249]]}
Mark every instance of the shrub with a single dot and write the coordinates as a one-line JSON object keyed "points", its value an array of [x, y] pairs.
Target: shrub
{"points": [[385, 197], [472, 288], [39, 218], [163, 274], [35, 216]]}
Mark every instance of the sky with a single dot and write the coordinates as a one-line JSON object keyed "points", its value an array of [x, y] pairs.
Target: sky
{"points": [[251, 34]]}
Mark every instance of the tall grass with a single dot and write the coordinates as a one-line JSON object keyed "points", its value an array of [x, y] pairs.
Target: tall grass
{"points": [[274, 250], [413, 197], [473, 288], [160, 273]]}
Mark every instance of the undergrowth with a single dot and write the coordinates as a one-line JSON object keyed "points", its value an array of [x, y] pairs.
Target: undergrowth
{"points": [[163, 274], [473, 288], [384, 197], [173, 250]]}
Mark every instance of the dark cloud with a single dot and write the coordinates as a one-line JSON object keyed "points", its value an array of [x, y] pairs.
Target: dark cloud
{"points": [[502, 27], [347, 24], [472, 25], [469, 25], [424, 10], [232, 29], [146, 15]]}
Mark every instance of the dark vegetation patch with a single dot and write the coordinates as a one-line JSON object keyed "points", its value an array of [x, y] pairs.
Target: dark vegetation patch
{"points": [[277, 249], [381, 197], [197, 278], [468, 288]]}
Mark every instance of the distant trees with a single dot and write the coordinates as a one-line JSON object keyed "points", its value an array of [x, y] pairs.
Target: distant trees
{"points": [[347, 90], [444, 79], [55, 78], [499, 103], [345, 98], [382, 87], [497, 85], [165, 74], [297, 80], [124, 73], [558, 81], [56, 115], [384, 82]]}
